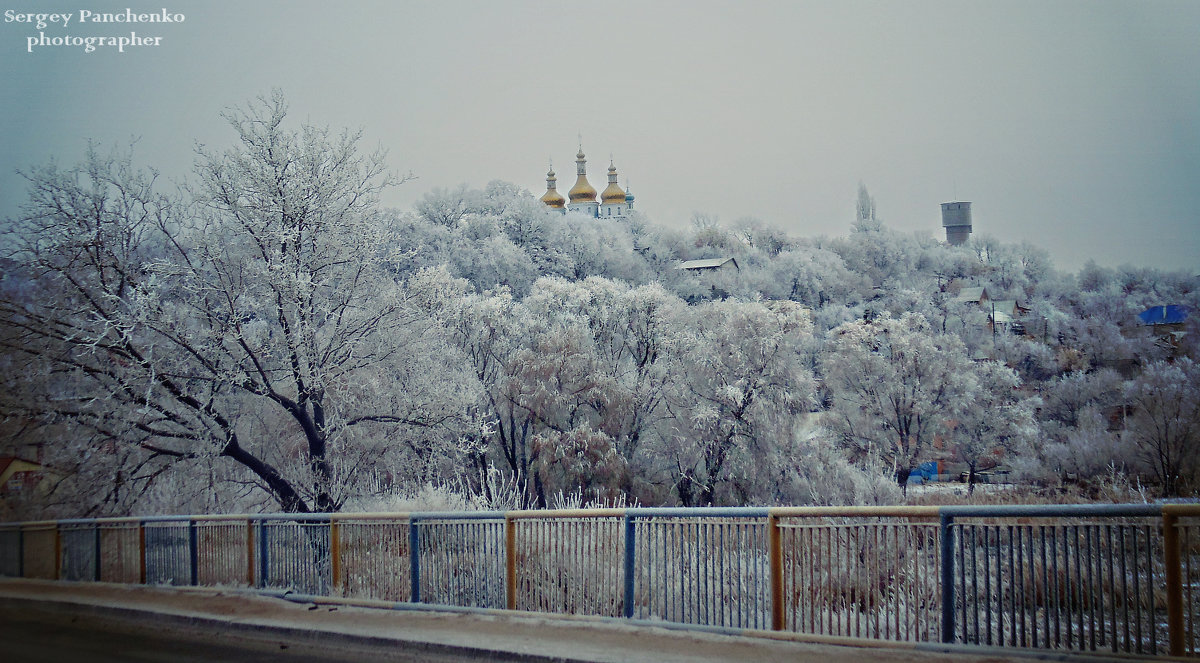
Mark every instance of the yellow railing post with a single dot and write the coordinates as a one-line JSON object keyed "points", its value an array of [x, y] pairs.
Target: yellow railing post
{"points": [[1171, 559], [510, 561], [335, 553], [776, 567]]}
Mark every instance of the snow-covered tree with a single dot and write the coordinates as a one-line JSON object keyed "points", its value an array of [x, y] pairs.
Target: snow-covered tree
{"points": [[896, 385], [1165, 424], [165, 322], [737, 404]]}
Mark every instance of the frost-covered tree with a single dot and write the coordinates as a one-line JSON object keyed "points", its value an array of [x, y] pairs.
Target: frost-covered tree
{"points": [[896, 385], [993, 420], [1165, 424], [169, 322], [738, 401]]}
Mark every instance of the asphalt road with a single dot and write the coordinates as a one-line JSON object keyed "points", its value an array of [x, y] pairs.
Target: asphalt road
{"points": [[77, 621], [30, 635]]}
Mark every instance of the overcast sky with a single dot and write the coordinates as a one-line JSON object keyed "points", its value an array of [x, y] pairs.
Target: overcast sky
{"points": [[1073, 125]]}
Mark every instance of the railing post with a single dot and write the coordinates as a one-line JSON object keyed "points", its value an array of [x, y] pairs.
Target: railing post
{"points": [[249, 552], [775, 559], [1174, 579], [947, 568], [20, 551], [630, 563], [263, 561], [414, 560], [57, 552], [335, 553], [97, 558], [193, 554], [510, 561], [141, 552]]}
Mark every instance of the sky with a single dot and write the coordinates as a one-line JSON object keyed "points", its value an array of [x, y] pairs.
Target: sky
{"points": [[1074, 126]]}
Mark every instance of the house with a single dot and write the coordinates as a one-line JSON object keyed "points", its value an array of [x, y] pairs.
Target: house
{"points": [[1006, 314], [18, 475], [973, 295], [1165, 318], [709, 265]]}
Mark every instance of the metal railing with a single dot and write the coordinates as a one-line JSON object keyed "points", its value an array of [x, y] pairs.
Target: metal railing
{"points": [[1118, 578]]}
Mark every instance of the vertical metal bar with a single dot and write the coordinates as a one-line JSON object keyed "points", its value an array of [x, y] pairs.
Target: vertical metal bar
{"points": [[776, 572], [510, 561], [947, 536], [1137, 590], [987, 577], [58, 551], [630, 563], [1112, 586], [1091, 588], [1150, 591], [414, 561], [96, 550], [962, 572], [249, 552], [1021, 543], [264, 555], [193, 554], [1124, 589], [1057, 586], [20, 551], [1191, 606], [1012, 593], [141, 552], [1078, 594], [1045, 593], [335, 554]]}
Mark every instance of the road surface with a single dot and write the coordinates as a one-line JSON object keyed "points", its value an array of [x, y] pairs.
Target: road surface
{"points": [[60, 621]]}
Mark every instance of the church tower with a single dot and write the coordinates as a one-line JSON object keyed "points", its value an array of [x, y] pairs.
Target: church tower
{"points": [[583, 196], [552, 198], [612, 200]]}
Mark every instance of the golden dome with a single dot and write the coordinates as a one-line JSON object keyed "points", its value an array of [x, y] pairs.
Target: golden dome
{"points": [[582, 192], [612, 193], [552, 198]]}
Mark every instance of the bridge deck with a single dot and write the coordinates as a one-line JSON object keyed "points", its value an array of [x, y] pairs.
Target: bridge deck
{"points": [[295, 631]]}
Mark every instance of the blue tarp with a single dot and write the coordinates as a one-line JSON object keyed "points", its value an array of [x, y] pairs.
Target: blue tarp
{"points": [[1164, 315]]}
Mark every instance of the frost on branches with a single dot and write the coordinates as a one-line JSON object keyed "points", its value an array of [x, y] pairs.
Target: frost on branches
{"points": [[250, 317]]}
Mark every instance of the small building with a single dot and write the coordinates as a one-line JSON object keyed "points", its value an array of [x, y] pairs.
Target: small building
{"points": [[1165, 318], [18, 475], [709, 265], [973, 295]]}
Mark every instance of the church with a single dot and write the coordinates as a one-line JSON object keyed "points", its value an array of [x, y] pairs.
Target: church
{"points": [[614, 203]]}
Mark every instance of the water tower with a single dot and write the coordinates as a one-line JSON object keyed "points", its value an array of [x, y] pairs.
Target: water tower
{"points": [[956, 219]]}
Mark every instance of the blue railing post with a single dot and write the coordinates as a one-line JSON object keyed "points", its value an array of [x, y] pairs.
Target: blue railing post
{"points": [[96, 558], [947, 568], [193, 554], [630, 563], [263, 562], [414, 561]]}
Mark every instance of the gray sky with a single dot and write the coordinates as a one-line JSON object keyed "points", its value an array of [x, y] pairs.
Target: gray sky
{"points": [[1073, 125]]}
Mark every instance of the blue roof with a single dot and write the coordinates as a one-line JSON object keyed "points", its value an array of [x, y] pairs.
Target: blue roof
{"points": [[1164, 315]]}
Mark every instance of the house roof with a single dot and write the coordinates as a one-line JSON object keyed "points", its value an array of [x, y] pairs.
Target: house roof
{"points": [[1164, 315], [972, 294], [707, 263], [1010, 307], [10, 465]]}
